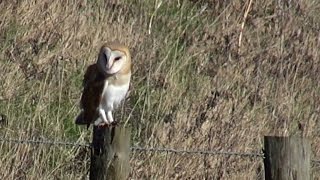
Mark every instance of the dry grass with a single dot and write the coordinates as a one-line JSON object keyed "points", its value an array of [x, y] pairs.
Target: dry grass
{"points": [[194, 86]]}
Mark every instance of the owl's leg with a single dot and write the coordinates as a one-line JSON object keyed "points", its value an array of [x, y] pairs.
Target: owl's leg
{"points": [[102, 114], [102, 120], [110, 117]]}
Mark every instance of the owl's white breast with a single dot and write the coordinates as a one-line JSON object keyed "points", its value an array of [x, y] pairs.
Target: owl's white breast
{"points": [[113, 95]]}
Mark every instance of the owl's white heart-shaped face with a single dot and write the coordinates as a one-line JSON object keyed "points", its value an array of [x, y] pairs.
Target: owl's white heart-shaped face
{"points": [[111, 61]]}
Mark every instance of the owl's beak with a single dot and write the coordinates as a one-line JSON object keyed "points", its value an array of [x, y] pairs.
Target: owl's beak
{"points": [[109, 64], [107, 60]]}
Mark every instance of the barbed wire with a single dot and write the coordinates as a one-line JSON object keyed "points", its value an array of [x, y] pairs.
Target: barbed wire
{"points": [[46, 142], [135, 148], [201, 152], [144, 149]]}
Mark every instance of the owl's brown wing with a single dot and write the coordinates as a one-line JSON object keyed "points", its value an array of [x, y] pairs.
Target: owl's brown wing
{"points": [[93, 85], [87, 83]]}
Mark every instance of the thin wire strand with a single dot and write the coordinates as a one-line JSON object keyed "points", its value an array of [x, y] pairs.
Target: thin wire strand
{"points": [[200, 152], [136, 148], [46, 142], [145, 149]]}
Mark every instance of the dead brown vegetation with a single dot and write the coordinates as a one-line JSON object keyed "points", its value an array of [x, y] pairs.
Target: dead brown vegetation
{"points": [[207, 75]]}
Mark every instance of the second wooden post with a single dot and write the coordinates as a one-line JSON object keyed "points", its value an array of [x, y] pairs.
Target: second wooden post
{"points": [[287, 158]]}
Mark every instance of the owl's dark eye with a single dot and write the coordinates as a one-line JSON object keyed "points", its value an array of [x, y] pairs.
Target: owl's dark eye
{"points": [[117, 58]]}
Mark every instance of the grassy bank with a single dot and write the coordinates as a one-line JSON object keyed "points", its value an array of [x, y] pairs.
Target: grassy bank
{"points": [[207, 75]]}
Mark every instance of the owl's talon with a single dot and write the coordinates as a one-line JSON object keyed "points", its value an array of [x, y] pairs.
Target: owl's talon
{"points": [[114, 123], [103, 125]]}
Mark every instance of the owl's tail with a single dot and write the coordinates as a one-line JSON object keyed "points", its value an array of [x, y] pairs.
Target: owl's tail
{"points": [[80, 120]]}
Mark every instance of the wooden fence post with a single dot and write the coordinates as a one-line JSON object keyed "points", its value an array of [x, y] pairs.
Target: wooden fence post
{"points": [[287, 158], [110, 153]]}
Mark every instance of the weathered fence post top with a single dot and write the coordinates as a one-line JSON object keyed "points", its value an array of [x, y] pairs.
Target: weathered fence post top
{"points": [[287, 158], [110, 153]]}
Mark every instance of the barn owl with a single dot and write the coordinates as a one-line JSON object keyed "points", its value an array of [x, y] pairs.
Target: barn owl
{"points": [[105, 85]]}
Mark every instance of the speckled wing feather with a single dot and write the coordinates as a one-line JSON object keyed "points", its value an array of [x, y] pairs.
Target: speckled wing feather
{"points": [[93, 84]]}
